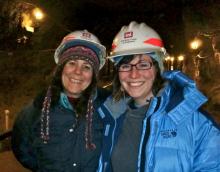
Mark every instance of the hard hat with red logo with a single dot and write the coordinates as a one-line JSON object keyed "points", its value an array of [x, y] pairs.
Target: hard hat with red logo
{"points": [[83, 38], [137, 39]]}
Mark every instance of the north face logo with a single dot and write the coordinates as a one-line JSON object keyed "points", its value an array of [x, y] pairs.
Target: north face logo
{"points": [[168, 133]]}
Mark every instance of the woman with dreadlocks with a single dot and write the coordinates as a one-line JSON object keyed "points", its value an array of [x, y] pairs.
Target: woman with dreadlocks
{"points": [[61, 130]]}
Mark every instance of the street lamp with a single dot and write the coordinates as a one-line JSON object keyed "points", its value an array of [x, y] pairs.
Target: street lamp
{"points": [[31, 14], [195, 44], [167, 62], [37, 12], [180, 58], [172, 60], [180, 64], [28, 21]]}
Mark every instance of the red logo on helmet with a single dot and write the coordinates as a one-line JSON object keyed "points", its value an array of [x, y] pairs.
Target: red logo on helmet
{"points": [[86, 35], [128, 34]]}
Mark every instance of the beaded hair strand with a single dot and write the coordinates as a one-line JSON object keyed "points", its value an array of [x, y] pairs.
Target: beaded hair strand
{"points": [[45, 117], [88, 131], [72, 53]]}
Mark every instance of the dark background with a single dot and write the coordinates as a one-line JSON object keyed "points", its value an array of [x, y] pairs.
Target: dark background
{"points": [[26, 66], [177, 21]]}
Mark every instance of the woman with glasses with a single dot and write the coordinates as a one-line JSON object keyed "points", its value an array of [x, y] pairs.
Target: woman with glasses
{"points": [[154, 123]]}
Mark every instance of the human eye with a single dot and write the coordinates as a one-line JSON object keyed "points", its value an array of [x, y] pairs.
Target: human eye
{"points": [[71, 63], [125, 67], [87, 67], [144, 65]]}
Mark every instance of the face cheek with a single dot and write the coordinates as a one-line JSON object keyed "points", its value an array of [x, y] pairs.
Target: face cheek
{"points": [[88, 76], [64, 80], [122, 79], [147, 76], [151, 76], [74, 88], [88, 80], [154, 73]]}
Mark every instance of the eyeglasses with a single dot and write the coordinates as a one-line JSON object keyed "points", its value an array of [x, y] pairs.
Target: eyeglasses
{"points": [[139, 66]]}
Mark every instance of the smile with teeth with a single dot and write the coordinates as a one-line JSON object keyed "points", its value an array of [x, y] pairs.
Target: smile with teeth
{"points": [[75, 81], [135, 84]]}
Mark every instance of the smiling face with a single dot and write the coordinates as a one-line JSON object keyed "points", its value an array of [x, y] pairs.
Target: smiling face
{"points": [[138, 83], [76, 77]]}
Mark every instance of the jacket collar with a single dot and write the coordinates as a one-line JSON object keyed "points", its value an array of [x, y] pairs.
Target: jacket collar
{"points": [[184, 98], [116, 108], [179, 99], [65, 102], [192, 101]]}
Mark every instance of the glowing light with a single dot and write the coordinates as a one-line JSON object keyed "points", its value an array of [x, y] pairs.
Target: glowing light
{"points": [[167, 58], [180, 57], [195, 44], [39, 15], [172, 60], [27, 22]]}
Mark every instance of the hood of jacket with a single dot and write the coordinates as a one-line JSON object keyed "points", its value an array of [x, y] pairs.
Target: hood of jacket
{"points": [[179, 97]]}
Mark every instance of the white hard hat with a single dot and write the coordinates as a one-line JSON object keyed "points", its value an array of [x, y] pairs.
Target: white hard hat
{"points": [[137, 39], [84, 38]]}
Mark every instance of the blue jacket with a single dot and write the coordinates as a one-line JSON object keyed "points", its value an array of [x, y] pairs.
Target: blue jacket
{"points": [[176, 136], [65, 151]]}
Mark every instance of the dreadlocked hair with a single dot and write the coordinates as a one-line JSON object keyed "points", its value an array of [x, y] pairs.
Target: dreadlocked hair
{"points": [[84, 108]]}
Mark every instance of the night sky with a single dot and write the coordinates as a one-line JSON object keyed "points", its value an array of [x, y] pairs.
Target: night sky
{"points": [[177, 22], [167, 17], [106, 18], [170, 18]]}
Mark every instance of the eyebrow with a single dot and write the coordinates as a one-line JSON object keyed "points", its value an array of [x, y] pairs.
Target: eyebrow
{"points": [[84, 61], [142, 60]]}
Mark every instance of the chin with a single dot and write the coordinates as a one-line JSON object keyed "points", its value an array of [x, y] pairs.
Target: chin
{"points": [[135, 95]]}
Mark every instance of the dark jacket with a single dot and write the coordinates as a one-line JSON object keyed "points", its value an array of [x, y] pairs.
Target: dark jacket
{"points": [[65, 150]]}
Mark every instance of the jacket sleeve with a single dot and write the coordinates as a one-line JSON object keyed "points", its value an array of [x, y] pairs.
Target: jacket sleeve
{"points": [[207, 144], [22, 139]]}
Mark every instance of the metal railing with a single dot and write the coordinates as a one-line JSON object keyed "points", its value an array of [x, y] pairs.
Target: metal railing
{"points": [[5, 141], [5, 135]]}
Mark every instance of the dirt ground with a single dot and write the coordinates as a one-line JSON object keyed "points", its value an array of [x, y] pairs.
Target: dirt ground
{"points": [[8, 163]]}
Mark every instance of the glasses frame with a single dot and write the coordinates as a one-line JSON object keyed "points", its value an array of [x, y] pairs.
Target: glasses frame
{"points": [[136, 66]]}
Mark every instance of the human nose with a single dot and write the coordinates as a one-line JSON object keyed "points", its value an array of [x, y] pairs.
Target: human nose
{"points": [[134, 73], [78, 69]]}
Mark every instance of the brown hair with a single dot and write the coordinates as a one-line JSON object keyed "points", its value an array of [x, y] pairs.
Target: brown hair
{"points": [[118, 93], [84, 107], [57, 87]]}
